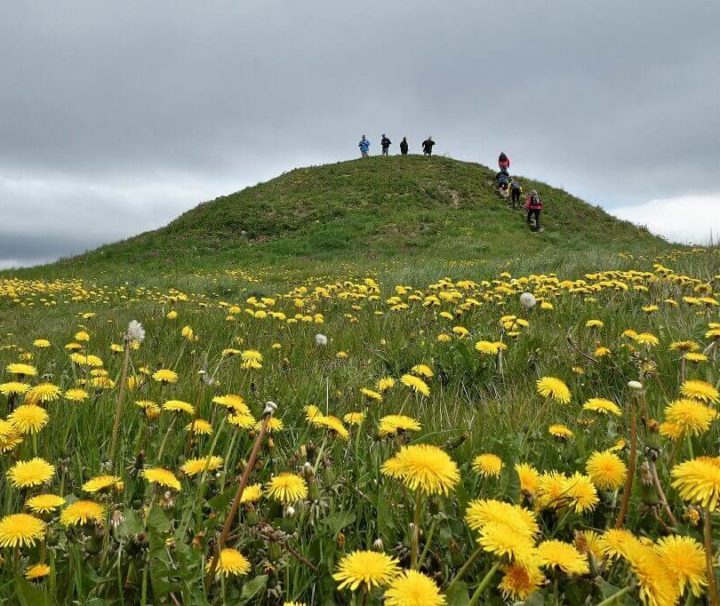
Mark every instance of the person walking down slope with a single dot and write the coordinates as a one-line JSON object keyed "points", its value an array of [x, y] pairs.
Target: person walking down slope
{"points": [[364, 146], [385, 143], [503, 162], [534, 207], [404, 146], [515, 193], [427, 146]]}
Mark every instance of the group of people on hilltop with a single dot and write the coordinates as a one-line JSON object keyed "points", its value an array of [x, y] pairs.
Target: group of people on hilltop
{"points": [[385, 143], [509, 186]]}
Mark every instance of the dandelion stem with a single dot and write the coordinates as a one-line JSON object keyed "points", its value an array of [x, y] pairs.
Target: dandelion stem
{"points": [[120, 402], [427, 542], [483, 584], [627, 490], [616, 596], [416, 531], [230, 519], [712, 585], [167, 434], [461, 573]]}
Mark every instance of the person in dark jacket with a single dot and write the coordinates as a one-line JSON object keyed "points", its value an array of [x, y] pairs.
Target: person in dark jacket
{"points": [[385, 143], [427, 146], [503, 162], [515, 193], [534, 207], [404, 146]]}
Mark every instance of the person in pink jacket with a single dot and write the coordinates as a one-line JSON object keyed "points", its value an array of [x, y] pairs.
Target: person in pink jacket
{"points": [[503, 162]]}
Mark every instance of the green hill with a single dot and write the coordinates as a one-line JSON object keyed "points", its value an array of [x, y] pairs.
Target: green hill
{"points": [[370, 210]]}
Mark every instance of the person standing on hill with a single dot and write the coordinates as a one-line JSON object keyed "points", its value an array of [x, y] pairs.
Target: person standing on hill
{"points": [[364, 146], [427, 146], [404, 146], [534, 207], [503, 162], [515, 193], [385, 143]]}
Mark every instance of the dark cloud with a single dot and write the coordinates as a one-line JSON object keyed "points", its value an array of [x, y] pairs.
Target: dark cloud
{"points": [[141, 109]]}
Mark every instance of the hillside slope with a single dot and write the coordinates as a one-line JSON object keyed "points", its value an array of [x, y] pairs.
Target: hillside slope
{"points": [[376, 209]]}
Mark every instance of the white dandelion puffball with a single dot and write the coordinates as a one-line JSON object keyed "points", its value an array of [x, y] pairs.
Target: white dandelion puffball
{"points": [[136, 332], [527, 300], [636, 385], [320, 339]]}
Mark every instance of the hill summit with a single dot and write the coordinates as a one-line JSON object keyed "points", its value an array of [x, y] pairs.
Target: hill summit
{"points": [[376, 209]]}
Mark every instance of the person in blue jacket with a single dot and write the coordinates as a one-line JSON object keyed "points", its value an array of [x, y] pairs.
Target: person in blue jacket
{"points": [[364, 146]]}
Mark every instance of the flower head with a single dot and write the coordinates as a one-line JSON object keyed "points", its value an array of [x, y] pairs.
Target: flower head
{"points": [[34, 472], [37, 571], [690, 417], [416, 384], [193, 467], [554, 388], [698, 481], [287, 488], [82, 512], [165, 375], [44, 503], [162, 477], [700, 390], [685, 558], [20, 530], [606, 470], [101, 483], [563, 556], [412, 588], [230, 562], [602, 406], [423, 467], [366, 569], [393, 424], [28, 418], [487, 464]]}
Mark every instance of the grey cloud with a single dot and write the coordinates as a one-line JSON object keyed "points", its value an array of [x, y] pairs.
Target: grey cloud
{"points": [[142, 109]]}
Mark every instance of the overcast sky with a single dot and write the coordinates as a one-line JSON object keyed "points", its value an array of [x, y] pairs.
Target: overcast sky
{"points": [[117, 116]]}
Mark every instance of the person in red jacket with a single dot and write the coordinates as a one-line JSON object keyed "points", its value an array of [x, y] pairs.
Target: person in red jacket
{"points": [[534, 207], [503, 162]]}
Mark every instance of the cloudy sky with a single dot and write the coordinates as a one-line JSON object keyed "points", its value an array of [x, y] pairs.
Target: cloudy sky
{"points": [[117, 116]]}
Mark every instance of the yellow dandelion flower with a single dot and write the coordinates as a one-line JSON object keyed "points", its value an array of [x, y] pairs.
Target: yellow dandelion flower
{"points": [[694, 357], [487, 464], [560, 431], [422, 370], [498, 539], [37, 571], [14, 388], [44, 503], [563, 556], [20, 530], [416, 384], [34, 472], [354, 418], [602, 406], [385, 383], [179, 406], [698, 481], [82, 512], [274, 425], [287, 488], [193, 467], [393, 424], [700, 390], [370, 394], [162, 477], [423, 467], [606, 470], [165, 375], [554, 388], [76, 395], [581, 493], [200, 427], [594, 324], [412, 588], [685, 559], [252, 493], [528, 477], [230, 563], [21, 370], [101, 483], [690, 416], [44, 392], [366, 570], [520, 581], [518, 520]]}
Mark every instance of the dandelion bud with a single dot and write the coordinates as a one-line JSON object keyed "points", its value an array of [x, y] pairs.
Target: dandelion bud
{"points": [[135, 332], [635, 385], [117, 518], [321, 339], [527, 300], [289, 511], [308, 471], [378, 545]]}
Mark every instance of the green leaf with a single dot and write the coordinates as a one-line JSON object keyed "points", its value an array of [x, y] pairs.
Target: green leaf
{"points": [[131, 526], [220, 501], [339, 520], [253, 588], [29, 595], [157, 520], [458, 595]]}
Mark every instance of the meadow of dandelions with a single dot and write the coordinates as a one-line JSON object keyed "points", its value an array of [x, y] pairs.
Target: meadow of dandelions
{"points": [[534, 439]]}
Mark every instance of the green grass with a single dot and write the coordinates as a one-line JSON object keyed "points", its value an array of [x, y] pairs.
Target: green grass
{"points": [[395, 221]]}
